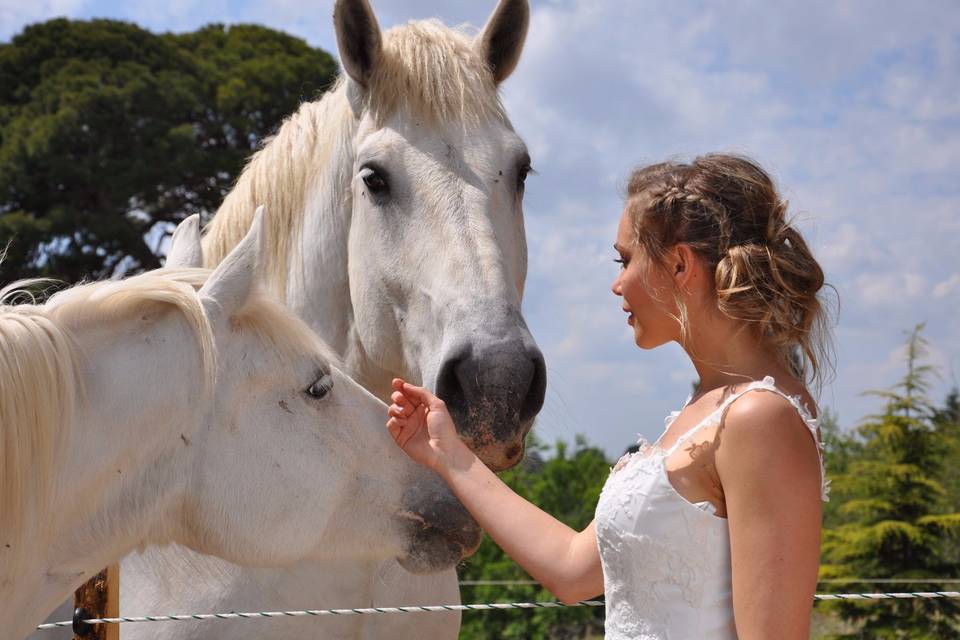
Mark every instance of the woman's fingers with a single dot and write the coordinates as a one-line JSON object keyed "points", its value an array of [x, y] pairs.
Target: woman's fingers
{"points": [[421, 395], [400, 431], [402, 403], [394, 429], [414, 394]]}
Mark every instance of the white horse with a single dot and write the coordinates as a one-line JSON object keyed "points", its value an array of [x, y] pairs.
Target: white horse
{"points": [[146, 412], [396, 232]]}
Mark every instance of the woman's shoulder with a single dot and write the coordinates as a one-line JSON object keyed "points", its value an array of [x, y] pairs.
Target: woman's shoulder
{"points": [[766, 425], [761, 409], [767, 396]]}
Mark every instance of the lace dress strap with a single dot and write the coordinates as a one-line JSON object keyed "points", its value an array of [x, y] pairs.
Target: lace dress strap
{"points": [[767, 384]]}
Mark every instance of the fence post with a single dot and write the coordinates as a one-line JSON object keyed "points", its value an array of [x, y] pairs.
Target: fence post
{"points": [[100, 597]]}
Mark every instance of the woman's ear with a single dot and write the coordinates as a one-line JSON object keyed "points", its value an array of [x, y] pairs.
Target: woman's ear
{"points": [[684, 266]]}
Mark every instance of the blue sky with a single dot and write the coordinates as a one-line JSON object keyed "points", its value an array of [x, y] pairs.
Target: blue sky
{"points": [[854, 106]]}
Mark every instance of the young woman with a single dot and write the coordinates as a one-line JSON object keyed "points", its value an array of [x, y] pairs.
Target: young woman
{"points": [[714, 530]]}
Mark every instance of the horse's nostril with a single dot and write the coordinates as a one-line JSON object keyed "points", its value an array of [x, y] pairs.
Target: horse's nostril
{"points": [[533, 400], [493, 392], [449, 387]]}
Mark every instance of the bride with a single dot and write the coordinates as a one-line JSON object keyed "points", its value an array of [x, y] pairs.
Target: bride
{"points": [[713, 531]]}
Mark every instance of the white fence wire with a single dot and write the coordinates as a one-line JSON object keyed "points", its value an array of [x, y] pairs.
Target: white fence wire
{"points": [[449, 607]]}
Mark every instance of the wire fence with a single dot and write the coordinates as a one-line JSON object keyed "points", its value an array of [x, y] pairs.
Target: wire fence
{"points": [[443, 608], [502, 583]]}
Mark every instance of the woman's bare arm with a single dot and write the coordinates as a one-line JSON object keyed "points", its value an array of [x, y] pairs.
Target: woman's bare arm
{"points": [[768, 465], [564, 561]]}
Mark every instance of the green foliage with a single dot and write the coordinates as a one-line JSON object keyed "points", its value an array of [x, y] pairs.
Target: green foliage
{"points": [[566, 486], [839, 448], [894, 518], [108, 130]]}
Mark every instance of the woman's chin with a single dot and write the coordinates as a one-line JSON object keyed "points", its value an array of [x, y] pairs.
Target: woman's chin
{"points": [[638, 337], [643, 340]]}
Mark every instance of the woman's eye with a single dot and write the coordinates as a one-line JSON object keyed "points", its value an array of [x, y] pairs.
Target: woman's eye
{"points": [[375, 181], [320, 387], [621, 261]]}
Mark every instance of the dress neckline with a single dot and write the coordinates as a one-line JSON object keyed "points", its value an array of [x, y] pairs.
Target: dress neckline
{"points": [[768, 383], [714, 417]]}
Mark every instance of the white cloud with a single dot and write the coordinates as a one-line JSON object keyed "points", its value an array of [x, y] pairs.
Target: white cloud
{"points": [[946, 287], [890, 288], [811, 93], [15, 14], [851, 105]]}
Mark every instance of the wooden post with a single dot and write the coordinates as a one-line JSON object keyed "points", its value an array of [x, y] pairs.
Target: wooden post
{"points": [[100, 596]]}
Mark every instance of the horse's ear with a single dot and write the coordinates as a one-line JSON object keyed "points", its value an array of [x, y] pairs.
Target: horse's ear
{"points": [[358, 38], [501, 41], [185, 249], [228, 287]]}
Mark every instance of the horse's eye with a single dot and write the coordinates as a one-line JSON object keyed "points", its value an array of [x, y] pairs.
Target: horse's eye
{"points": [[320, 387], [375, 180], [522, 172]]}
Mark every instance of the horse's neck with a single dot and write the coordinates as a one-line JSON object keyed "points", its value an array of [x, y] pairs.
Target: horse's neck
{"points": [[120, 473], [317, 213], [318, 282]]}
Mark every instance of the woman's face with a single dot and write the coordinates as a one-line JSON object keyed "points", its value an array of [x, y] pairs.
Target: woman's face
{"points": [[647, 292]]}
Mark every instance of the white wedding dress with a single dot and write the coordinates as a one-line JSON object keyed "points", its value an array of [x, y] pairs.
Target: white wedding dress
{"points": [[666, 561]]}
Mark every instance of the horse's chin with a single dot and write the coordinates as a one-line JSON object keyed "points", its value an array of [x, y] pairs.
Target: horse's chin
{"points": [[499, 457], [433, 552], [433, 548]]}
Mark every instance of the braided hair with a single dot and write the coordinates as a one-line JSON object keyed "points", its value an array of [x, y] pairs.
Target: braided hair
{"points": [[726, 208]]}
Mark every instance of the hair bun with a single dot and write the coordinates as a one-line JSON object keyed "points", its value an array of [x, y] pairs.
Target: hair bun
{"points": [[728, 210]]}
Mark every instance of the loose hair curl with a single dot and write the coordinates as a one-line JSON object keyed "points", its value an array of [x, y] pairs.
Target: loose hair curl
{"points": [[727, 209]]}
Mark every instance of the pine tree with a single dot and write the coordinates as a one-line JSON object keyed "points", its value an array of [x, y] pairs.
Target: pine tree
{"points": [[947, 422], [895, 516]]}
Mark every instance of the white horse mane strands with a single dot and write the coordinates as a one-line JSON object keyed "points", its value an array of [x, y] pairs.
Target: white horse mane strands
{"points": [[37, 395], [425, 67], [432, 71], [39, 367]]}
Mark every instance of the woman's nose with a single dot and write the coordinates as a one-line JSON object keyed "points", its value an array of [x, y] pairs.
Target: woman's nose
{"points": [[615, 287]]}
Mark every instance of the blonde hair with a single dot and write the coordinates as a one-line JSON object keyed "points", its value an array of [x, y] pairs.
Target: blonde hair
{"points": [[425, 68], [727, 209]]}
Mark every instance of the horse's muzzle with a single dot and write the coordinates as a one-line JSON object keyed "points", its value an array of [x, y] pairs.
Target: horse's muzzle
{"points": [[438, 529]]}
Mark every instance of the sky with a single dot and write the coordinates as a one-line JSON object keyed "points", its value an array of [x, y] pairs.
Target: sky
{"points": [[853, 106]]}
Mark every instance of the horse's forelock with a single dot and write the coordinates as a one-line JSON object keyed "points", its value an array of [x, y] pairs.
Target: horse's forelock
{"points": [[432, 72]]}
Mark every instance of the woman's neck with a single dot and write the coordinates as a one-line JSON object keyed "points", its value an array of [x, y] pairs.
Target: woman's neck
{"points": [[729, 353]]}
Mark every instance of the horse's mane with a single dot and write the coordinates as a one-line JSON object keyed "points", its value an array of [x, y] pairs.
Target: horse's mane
{"points": [[40, 383], [426, 69], [38, 379]]}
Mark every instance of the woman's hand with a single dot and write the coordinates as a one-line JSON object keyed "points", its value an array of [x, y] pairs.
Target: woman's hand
{"points": [[420, 424], [564, 561]]}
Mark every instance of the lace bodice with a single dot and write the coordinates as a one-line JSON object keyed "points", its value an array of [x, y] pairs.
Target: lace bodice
{"points": [[666, 560]]}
